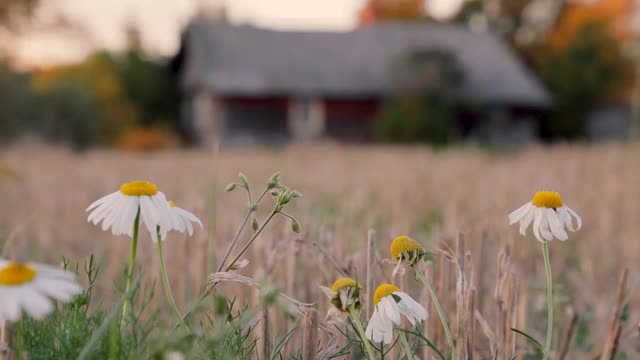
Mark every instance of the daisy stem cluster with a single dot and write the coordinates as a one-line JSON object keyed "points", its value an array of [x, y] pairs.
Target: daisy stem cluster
{"points": [[355, 318], [284, 196], [132, 264], [253, 206], [167, 285], [436, 303], [547, 267]]}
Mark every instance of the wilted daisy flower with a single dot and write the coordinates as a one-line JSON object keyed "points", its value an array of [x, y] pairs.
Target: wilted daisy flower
{"points": [[549, 216], [406, 252], [119, 210], [30, 287], [390, 303], [344, 293], [181, 219]]}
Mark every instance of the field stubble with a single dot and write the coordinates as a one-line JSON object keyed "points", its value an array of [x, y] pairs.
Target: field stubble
{"points": [[455, 202]]}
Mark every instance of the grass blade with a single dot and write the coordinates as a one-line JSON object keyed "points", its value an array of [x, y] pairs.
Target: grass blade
{"points": [[536, 342]]}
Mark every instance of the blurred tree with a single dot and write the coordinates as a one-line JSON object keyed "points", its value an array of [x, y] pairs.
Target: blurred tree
{"points": [[14, 103], [614, 15], [67, 114], [521, 22], [589, 72], [14, 12], [100, 78], [422, 111], [378, 10]]}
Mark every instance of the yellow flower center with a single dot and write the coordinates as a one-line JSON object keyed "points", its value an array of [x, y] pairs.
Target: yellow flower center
{"points": [[171, 203], [382, 291], [16, 274], [342, 283], [547, 199], [139, 188], [403, 244]]}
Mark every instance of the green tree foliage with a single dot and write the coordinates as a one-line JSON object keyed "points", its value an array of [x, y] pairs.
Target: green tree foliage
{"points": [[149, 85], [94, 102], [14, 102], [583, 76], [67, 114], [422, 110]]}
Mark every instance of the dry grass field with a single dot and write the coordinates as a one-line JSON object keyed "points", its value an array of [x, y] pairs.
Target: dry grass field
{"points": [[492, 279]]}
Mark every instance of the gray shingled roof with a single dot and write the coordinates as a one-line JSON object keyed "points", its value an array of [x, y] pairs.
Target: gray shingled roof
{"points": [[245, 61]]}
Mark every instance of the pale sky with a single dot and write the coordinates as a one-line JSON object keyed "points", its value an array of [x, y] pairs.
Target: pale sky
{"points": [[101, 23]]}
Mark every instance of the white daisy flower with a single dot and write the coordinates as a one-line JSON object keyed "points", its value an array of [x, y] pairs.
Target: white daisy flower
{"points": [[31, 287], [343, 293], [390, 303], [181, 219], [549, 216], [406, 252], [119, 210]]}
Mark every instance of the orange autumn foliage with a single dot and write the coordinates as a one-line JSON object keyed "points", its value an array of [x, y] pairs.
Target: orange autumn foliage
{"points": [[147, 139], [614, 14], [376, 10]]}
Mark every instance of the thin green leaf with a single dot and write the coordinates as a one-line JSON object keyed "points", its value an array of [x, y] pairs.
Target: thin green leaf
{"points": [[536, 342], [281, 344], [429, 343]]}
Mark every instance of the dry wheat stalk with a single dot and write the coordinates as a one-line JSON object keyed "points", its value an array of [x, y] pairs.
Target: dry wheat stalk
{"points": [[310, 333], [266, 334], [566, 342], [371, 269], [5, 341], [611, 344]]}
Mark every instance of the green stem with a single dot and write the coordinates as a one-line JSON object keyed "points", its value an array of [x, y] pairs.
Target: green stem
{"points": [[355, 317], [436, 303], [547, 268], [167, 286], [405, 346], [253, 238], [210, 288], [132, 263], [236, 237]]}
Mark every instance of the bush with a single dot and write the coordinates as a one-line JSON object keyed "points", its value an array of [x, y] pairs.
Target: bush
{"points": [[422, 111], [426, 119], [146, 139]]}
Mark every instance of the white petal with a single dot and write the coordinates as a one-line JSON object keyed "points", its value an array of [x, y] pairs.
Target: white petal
{"points": [[345, 300], [149, 214], [189, 216], [115, 214], [410, 308], [126, 223], [59, 290], [372, 326], [578, 219], [328, 292], [163, 208], [104, 209], [379, 329], [557, 228], [389, 309], [526, 221], [179, 224], [396, 268], [544, 225], [102, 200], [10, 304], [536, 223], [35, 304], [519, 213], [52, 272]]}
